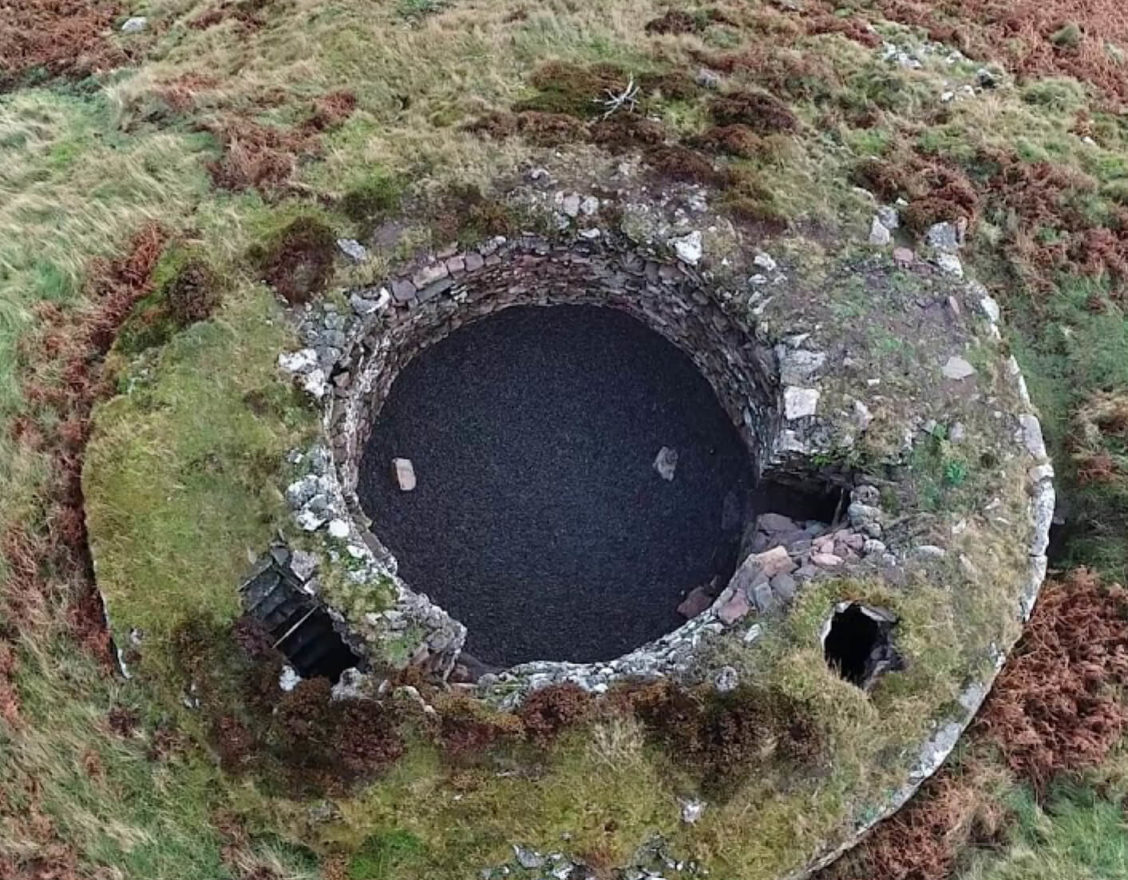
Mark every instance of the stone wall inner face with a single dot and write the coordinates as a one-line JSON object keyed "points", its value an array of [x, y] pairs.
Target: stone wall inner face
{"points": [[575, 478], [715, 334]]}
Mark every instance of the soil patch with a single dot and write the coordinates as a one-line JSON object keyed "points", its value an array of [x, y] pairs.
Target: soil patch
{"points": [[539, 518]]}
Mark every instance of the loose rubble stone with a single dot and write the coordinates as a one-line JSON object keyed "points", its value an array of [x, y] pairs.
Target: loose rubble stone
{"points": [[707, 79], [734, 609], [726, 680], [135, 25], [826, 560], [763, 598], [315, 382], [666, 463], [364, 306], [696, 602], [873, 547], [888, 217], [951, 264], [404, 472], [944, 237], [775, 522], [765, 261], [879, 235], [570, 205], [986, 78], [771, 562], [783, 585], [689, 248], [691, 810], [353, 249], [528, 858], [957, 368], [799, 403], [903, 256], [298, 361]]}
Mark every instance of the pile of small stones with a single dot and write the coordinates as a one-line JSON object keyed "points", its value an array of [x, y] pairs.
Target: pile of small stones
{"points": [[783, 555]]}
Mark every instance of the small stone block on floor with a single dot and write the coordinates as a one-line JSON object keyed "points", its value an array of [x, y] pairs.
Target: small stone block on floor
{"points": [[695, 602], [666, 462], [404, 472]]}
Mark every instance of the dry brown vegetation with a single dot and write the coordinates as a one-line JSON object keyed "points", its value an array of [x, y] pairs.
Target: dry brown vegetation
{"points": [[1035, 37], [1058, 705], [60, 37], [264, 157], [924, 840]]}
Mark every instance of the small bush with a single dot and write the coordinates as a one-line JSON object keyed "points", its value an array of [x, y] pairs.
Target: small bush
{"points": [[188, 291], [338, 740], [732, 140], [193, 294], [573, 89], [1068, 36], [372, 200], [552, 709], [723, 737], [466, 215], [679, 163], [760, 111], [298, 261], [468, 727]]}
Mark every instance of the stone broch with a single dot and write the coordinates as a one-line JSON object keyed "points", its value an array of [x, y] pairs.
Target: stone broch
{"points": [[799, 397]]}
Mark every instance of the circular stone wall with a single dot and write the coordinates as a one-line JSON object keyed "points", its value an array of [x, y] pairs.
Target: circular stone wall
{"points": [[540, 518], [905, 576]]}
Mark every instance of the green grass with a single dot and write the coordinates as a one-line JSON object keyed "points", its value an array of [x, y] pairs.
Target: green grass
{"points": [[1074, 833]]}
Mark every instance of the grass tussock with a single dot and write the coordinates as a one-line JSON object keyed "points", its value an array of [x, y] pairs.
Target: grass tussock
{"points": [[722, 738]]}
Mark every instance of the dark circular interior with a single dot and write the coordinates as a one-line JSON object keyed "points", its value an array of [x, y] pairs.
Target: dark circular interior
{"points": [[539, 519]]}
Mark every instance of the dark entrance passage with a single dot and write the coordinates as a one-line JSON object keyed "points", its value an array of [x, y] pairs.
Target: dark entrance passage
{"points": [[539, 517], [859, 645]]}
